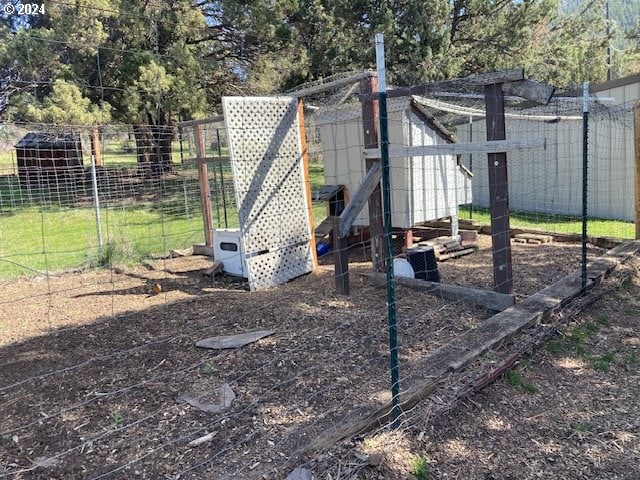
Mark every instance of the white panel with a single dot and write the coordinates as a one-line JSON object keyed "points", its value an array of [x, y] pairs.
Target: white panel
{"points": [[266, 159]]}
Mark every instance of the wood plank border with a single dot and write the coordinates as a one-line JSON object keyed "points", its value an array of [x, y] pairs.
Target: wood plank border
{"points": [[475, 296]]}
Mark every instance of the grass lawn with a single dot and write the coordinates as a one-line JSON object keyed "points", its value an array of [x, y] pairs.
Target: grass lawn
{"points": [[558, 223], [40, 241]]}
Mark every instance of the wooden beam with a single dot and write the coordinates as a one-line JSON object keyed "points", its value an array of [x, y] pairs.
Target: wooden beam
{"points": [[96, 149], [498, 192], [332, 85], [370, 182], [202, 121], [481, 80], [307, 181], [474, 296], [215, 160], [340, 259], [469, 346], [534, 91], [205, 193], [636, 145], [370, 126], [460, 148]]}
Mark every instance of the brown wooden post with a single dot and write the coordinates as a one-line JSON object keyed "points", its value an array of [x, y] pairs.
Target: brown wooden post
{"points": [[307, 180], [498, 191], [636, 144], [370, 125], [205, 193], [96, 151], [340, 258]]}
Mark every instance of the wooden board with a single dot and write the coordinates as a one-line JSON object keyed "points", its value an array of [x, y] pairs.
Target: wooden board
{"points": [[233, 341], [482, 298]]}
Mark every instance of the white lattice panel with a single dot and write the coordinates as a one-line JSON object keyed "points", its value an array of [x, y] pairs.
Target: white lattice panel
{"points": [[268, 176]]}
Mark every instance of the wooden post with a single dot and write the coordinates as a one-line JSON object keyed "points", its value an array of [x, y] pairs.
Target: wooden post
{"points": [[636, 144], [96, 151], [370, 125], [307, 180], [205, 193], [340, 258], [498, 191]]}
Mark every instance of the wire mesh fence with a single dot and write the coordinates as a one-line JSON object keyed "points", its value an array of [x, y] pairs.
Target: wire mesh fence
{"points": [[103, 301]]}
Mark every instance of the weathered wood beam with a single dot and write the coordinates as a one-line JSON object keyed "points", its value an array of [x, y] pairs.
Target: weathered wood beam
{"points": [[314, 90], [483, 298], [358, 200], [498, 191], [460, 148], [340, 259], [370, 125], [202, 121], [481, 80], [636, 146], [215, 160], [531, 90]]}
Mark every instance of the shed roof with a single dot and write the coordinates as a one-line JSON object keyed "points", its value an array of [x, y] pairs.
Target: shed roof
{"points": [[45, 140]]}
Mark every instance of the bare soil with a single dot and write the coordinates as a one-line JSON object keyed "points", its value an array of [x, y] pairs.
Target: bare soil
{"points": [[93, 365]]}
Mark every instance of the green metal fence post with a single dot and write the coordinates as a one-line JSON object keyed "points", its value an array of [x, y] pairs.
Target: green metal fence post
{"points": [[386, 206]]}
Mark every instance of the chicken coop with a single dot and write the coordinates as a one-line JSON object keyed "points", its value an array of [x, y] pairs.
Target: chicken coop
{"points": [[423, 188]]}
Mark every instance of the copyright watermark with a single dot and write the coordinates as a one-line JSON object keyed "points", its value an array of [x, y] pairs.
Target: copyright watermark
{"points": [[28, 9]]}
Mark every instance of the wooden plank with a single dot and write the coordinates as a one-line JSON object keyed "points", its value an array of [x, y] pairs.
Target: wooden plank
{"points": [[224, 342], [534, 91], [370, 129], [482, 298], [340, 259], [205, 193], [369, 184], [224, 159], [469, 346], [324, 228], [636, 145], [307, 181], [202, 121], [526, 237], [498, 192], [332, 85], [481, 80], [96, 148], [460, 148], [456, 253]]}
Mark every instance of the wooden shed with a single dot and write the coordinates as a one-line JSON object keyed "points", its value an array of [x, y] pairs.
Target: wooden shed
{"points": [[49, 159], [423, 188]]}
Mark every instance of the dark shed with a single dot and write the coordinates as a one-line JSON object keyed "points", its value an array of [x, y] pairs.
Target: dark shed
{"points": [[49, 159]]}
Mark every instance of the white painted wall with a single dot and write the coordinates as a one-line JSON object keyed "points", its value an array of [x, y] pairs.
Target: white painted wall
{"points": [[422, 188]]}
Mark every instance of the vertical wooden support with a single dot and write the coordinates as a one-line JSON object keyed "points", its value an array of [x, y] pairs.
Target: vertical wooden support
{"points": [[636, 145], [307, 180], [370, 126], [340, 258], [498, 191], [205, 193], [96, 150]]}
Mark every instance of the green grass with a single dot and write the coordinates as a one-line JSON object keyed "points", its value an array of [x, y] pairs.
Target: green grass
{"points": [[557, 223], [515, 380], [420, 468], [40, 241]]}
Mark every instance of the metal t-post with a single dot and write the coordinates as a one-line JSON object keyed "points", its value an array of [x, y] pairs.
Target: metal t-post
{"points": [[386, 207]]}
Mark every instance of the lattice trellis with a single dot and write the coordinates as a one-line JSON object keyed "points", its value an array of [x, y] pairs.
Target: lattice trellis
{"points": [[268, 175]]}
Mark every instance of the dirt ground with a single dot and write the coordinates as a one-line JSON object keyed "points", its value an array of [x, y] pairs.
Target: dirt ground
{"points": [[95, 363]]}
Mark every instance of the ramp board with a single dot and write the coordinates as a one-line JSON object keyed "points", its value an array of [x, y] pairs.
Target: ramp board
{"points": [[233, 341], [268, 175]]}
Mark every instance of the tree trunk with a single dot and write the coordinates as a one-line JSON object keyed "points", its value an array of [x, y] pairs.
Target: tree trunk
{"points": [[153, 149]]}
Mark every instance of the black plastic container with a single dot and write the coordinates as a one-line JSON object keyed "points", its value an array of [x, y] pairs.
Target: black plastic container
{"points": [[424, 263]]}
